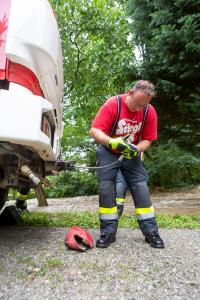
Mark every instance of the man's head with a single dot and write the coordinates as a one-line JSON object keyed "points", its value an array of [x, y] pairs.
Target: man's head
{"points": [[140, 95]]}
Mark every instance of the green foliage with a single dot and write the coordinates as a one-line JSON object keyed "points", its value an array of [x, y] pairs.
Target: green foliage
{"points": [[167, 34], [91, 220], [98, 62], [85, 219], [170, 166], [178, 221], [96, 57], [71, 184]]}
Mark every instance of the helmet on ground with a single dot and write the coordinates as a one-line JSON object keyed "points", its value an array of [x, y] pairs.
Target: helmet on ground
{"points": [[78, 238]]}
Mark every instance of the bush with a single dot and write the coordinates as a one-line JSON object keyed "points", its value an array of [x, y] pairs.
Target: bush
{"points": [[71, 184], [169, 166]]}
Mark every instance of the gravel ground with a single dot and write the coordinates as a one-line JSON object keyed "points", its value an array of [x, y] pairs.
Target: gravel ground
{"points": [[34, 264]]}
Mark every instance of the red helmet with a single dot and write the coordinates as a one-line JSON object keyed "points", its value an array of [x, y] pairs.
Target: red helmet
{"points": [[78, 238]]}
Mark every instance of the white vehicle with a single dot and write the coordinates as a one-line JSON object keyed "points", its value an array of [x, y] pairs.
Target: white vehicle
{"points": [[31, 86]]}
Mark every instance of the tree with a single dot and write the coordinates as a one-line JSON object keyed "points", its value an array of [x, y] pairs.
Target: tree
{"points": [[97, 58], [168, 36]]}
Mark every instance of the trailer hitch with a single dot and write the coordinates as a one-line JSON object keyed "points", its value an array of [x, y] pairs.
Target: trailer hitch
{"points": [[63, 165]]}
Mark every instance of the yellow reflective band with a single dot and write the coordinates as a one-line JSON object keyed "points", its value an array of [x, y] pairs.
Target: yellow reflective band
{"points": [[107, 210], [120, 199], [19, 195], [142, 156], [145, 210]]}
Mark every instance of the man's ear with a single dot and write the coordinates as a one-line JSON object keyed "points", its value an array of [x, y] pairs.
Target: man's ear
{"points": [[130, 92]]}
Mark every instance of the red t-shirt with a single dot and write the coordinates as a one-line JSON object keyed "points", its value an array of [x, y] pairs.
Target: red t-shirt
{"points": [[129, 122]]}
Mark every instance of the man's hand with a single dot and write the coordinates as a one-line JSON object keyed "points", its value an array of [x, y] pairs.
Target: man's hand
{"points": [[117, 144], [128, 150], [131, 151]]}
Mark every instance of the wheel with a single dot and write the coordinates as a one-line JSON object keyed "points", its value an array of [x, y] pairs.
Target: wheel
{"points": [[3, 197]]}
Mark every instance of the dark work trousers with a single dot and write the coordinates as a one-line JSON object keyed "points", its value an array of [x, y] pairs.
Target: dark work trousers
{"points": [[22, 192], [23, 189], [121, 189], [135, 176]]}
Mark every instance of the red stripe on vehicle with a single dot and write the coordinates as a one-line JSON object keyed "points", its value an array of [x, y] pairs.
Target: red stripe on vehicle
{"points": [[21, 75]]}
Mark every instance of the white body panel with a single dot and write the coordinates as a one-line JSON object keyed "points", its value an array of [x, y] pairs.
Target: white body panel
{"points": [[33, 41], [23, 126]]}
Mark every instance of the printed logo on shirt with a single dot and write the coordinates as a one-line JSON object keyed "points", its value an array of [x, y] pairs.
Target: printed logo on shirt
{"points": [[128, 126]]}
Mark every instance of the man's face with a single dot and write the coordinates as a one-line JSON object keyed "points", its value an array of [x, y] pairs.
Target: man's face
{"points": [[137, 101]]}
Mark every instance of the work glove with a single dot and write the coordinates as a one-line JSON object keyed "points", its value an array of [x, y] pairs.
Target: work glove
{"points": [[122, 146], [130, 152]]}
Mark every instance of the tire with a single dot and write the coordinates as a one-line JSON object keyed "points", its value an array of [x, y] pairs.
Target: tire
{"points": [[3, 197]]}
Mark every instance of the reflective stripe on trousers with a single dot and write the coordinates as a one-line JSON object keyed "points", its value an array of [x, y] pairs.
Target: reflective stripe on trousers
{"points": [[145, 213], [108, 213], [21, 196], [120, 201]]}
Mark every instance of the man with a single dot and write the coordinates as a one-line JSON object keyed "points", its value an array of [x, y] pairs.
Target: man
{"points": [[119, 153]]}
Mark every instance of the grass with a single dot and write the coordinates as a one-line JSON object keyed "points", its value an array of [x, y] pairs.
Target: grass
{"points": [[90, 220], [54, 262]]}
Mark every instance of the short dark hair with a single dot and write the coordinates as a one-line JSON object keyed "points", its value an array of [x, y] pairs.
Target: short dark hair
{"points": [[145, 86]]}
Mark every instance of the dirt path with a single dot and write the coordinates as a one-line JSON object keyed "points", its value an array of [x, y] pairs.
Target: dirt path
{"points": [[171, 203]]}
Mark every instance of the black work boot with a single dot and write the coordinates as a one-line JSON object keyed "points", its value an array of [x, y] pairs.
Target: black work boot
{"points": [[154, 240], [21, 206], [10, 216], [105, 240]]}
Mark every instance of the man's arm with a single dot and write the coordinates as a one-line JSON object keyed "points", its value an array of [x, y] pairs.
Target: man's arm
{"points": [[143, 145], [99, 136]]}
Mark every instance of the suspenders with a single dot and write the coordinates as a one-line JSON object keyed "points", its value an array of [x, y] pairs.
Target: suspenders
{"points": [[119, 105]]}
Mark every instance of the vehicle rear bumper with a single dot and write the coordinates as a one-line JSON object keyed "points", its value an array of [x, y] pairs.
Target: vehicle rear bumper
{"points": [[20, 123]]}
